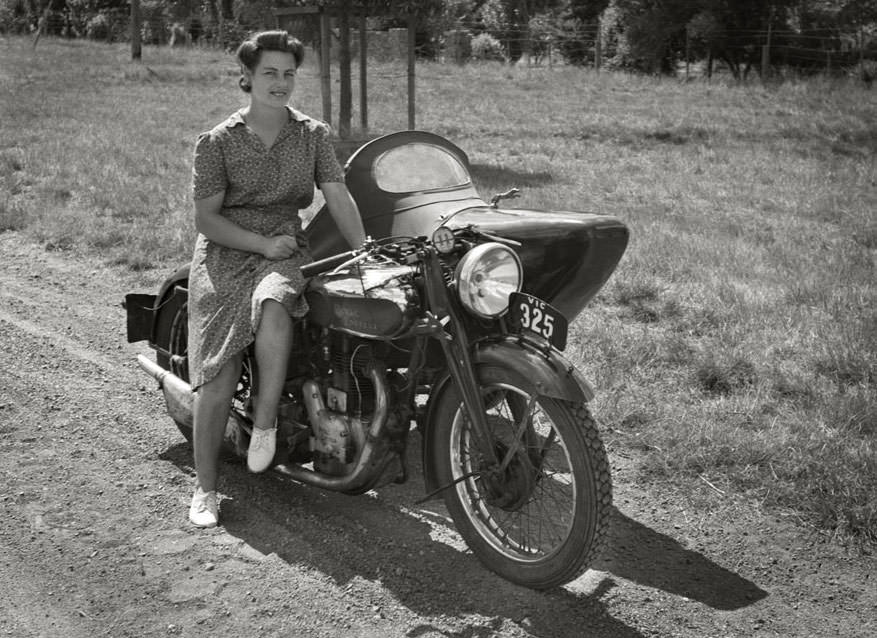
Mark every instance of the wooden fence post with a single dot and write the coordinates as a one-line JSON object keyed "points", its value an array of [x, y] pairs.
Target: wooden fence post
{"points": [[363, 74], [765, 50], [136, 52], [598, 47], [220, 27], [326, 66], [345, 101], [412, 41], [687, 54]]}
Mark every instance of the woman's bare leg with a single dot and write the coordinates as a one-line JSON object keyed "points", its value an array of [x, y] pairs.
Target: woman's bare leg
{"points": [[212, 404], [273, 342]]}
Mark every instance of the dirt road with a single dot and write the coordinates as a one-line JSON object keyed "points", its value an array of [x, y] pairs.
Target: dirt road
{"points": [[94, 539]]}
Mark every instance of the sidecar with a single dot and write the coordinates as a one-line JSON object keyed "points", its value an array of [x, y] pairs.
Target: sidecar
{"points": [[408, 184]]}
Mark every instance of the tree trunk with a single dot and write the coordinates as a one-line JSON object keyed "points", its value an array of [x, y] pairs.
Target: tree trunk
{"points": [[345, 100], [733, 65], [136, 53], [220, 22], [41, 24]]}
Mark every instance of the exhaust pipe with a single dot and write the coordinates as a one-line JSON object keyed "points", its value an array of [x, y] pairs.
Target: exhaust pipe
{"points": [[372, 458], [178, 394], [370, 462]]}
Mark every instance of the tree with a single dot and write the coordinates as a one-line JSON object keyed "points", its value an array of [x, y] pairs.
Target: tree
{"points": [[654, 31]]}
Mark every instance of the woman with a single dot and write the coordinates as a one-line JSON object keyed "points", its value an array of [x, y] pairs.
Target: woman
{"points": [[252, 174]]}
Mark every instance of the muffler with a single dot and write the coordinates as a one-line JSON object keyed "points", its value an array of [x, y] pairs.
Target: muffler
{"points": [[178, 394]]}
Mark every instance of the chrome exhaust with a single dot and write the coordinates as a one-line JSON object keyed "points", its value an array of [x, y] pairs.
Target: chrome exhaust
{"points": [[178, 394], [372, 458], [370, 462]]}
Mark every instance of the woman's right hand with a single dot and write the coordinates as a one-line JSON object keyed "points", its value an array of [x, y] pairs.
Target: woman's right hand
{"points": [[279, 247]]}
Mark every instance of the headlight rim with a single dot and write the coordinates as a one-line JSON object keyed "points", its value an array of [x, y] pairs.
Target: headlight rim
{"points": [[467, 264]]}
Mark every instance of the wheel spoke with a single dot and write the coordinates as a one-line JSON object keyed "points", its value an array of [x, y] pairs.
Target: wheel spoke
{"points": [[523, 434]]}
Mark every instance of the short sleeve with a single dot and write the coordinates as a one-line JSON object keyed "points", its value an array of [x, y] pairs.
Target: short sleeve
{"points": [[327, 168], [208, 169]]}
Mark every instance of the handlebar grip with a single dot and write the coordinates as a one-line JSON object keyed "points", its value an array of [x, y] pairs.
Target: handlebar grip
{"points": [[316, 267]]}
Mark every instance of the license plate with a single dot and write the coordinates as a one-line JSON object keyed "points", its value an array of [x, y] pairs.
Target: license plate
{"points": [[529, 314]]}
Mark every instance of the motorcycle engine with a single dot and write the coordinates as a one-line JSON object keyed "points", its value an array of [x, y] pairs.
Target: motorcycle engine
{"points": [[340, 418]]}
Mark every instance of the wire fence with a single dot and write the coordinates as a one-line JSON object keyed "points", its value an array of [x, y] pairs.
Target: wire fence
{"points": [[155, 28], [739, 50]]}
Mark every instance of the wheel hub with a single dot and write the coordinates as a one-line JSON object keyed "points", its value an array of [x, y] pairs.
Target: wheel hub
{"points": [[511, 488]]}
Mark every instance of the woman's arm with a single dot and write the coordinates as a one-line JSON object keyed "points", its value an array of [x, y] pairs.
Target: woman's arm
{"points": [[223, 231], [344, 211]]}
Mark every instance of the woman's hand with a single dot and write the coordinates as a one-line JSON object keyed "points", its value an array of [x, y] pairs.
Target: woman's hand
{"points": [[279, 247]]}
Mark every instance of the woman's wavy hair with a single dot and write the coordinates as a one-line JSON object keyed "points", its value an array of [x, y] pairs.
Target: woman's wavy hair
{"points": [[249, 53]]}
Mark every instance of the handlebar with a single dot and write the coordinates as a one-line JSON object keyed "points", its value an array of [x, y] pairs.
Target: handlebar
{"points": [[317, 267], [350, 257]]}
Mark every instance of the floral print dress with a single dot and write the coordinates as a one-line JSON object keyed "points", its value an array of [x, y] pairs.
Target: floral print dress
{"points": [[264, 190]]}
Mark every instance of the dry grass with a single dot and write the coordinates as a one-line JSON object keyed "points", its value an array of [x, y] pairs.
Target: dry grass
{"points": [[737, 340]]}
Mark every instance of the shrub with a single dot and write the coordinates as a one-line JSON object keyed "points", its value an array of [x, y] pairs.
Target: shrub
{"points": [[98, 28], [486, 47]]}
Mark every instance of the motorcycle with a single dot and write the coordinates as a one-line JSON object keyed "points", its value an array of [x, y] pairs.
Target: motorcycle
{"points": [[454, 320]]}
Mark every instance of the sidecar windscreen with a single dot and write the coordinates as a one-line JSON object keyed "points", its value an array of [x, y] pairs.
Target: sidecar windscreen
{"points": [[418, 167], [405, 184]]}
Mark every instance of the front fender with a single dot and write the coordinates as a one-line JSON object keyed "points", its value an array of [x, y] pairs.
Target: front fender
{"points": [[547, 374], [543, 374]]}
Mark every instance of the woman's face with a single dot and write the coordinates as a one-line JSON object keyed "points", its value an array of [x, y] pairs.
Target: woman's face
{"points": [[273, 78]]}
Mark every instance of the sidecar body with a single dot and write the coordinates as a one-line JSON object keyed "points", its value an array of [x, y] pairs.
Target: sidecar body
{"points": [[410, 183]]}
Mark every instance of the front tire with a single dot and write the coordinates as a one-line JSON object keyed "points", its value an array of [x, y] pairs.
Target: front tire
{"points": [[541, 520]]}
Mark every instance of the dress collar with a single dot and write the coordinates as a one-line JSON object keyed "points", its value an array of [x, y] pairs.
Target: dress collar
{"points": [[238, 118]]}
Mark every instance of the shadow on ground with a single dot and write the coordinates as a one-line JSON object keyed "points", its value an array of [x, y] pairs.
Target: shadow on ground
{"points": [[389, 538], [642, 555]]}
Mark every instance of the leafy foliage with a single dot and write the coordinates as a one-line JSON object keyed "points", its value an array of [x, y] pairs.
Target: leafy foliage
{"points": [[653, 36]]}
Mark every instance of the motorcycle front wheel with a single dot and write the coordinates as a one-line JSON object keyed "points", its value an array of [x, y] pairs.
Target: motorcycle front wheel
{"points": [[538, 515]]}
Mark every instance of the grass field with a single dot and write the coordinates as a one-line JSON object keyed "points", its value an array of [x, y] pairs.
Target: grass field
{"points": [[737, 343]]}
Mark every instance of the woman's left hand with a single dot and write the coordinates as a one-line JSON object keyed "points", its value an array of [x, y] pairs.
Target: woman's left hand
{"points": [[279, 247]]}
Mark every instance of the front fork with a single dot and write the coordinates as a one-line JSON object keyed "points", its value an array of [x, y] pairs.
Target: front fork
{"points": [[455, 345]]}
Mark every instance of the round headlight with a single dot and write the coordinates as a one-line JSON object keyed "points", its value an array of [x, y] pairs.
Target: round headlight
{"points": [[486, 276]]}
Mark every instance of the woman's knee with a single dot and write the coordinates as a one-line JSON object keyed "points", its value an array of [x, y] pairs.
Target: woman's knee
{"points": [[224, 383], [275, 317]]}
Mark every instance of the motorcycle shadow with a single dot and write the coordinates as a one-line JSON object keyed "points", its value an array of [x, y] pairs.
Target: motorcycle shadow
{"points": [[641, 554], [414, 552]]}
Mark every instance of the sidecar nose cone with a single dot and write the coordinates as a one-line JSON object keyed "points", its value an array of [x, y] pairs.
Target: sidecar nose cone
{"points": [[566, 256]]}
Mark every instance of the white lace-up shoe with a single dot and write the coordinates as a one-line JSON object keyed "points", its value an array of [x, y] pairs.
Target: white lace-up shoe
{"points": [[263, 445], [204, 512]]}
